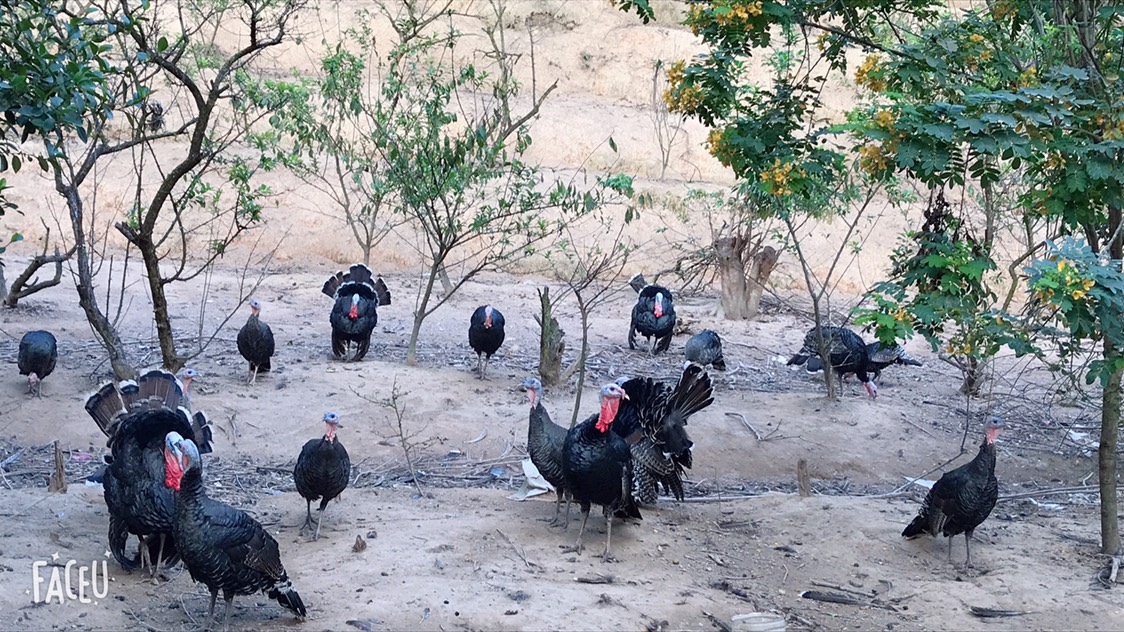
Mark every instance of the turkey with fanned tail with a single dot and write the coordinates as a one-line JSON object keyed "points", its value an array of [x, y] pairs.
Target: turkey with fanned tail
{"points": [[653, 316], [222, 547], [135, 416], [846, 350], [961, 499], [653, 421], [597, 467], [357, 295]]}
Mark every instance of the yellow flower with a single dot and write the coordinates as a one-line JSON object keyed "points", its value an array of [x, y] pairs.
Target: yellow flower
{"points": [[976, 37], [1078, 294], [884, 119], [871, 65], [985, 55], [1088, 284], [1061, 265]]}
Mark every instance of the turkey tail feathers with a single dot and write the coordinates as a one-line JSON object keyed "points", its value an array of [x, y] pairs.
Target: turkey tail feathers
{"points": [[106, 407], [382, 292], [693, 393], [203, 435], [285, 595], [917, 527]]}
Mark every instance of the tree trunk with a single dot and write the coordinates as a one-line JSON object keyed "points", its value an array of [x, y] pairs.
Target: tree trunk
{"points": [[731, 271], [87, 300], [584, 309], [760, 268], [1110, 419], [151, 258], [743, 281], [551, 344], [419, 315], [975, 374], [1106, 457]]}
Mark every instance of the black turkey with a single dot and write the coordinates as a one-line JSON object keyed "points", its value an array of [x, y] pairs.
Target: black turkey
{"points": [[882, 356], [358, 295], [705, 349], [255, 343], [879, 356], [963, 498], [136, 416], [847, 352], [545, 441], [322, 471], [653, 316], [597, 467], [38, 354], [222, 547], [653, 420], [485, 335]]}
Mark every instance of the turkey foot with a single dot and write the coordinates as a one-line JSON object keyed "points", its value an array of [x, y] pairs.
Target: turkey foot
{"points": [[308, 520]]}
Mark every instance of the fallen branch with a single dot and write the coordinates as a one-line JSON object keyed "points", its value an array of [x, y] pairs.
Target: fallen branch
{"points": [[749, 426]]}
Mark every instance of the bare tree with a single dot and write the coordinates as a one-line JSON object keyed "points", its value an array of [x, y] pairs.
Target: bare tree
{"points": [[212, 102], [590, 260]]}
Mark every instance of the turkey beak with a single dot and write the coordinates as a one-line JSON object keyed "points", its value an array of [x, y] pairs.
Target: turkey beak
{"points": [[624, 394]]}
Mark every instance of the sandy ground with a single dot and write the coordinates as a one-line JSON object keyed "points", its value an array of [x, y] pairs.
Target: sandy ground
{"points": [[462, 555]]}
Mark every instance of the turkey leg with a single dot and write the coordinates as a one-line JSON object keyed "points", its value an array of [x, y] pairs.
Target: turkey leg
{"points": [[228, 597], [307, 517], [159, 560], [211, 613], [319, 520], [577, 548], [558, 507], [967, 548], [484, 371], [606, 557]]}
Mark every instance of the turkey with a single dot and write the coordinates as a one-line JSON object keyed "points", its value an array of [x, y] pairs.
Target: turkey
{"points": [[322, 472], [545, 440], [186, 376], [653, 420], [222, 547], [880, 356], [485, 335], [963, 498], [255, 342], [705, 348], [597, 467], [136, 416], [653, 316], [37, 357], [358, 295], [847, 352]]}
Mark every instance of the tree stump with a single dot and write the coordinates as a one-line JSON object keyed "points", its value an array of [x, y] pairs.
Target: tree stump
{"points": [[551, 344], [743, 275]]}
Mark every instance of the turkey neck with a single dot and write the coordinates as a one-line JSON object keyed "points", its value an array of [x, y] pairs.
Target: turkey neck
{"points": [[985, 460], [191, 485]]}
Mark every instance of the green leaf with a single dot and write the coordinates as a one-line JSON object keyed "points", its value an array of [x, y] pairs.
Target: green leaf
{"points": [[162, 44]]}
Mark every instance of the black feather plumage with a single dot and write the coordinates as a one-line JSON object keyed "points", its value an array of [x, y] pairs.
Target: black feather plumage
{"points": [[38, 354], [223, 547], [357, 295]]}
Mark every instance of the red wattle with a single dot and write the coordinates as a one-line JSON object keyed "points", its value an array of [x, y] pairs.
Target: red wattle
{"points": [[354, 313], [658, 310], [608, 413]]}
